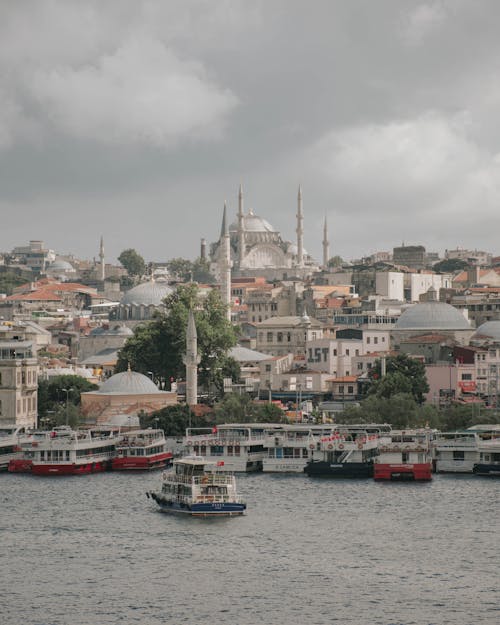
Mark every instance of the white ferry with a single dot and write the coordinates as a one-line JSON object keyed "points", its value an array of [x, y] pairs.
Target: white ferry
{"points": [[349, 453], [404, 455], [288, 448], [139, 450], [489, 458], [456, 452], [12, 437], [64, 451], [239, 446], [196, 487]]}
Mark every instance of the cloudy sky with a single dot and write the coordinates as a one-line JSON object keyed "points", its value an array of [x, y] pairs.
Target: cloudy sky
{"points": [[137, 119]]}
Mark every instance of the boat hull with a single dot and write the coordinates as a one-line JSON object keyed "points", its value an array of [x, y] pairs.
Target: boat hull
{"points": [[200, 509], [402, 472], [20, 466], [490, 470], [141, 463], [70, 468], [321, 468]]}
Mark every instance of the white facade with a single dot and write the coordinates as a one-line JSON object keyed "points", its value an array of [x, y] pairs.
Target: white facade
{"points": [[390, 284], [420, 283], [18, 384]]}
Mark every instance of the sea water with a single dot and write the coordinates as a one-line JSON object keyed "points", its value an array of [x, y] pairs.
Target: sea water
{"points": [[93, 550]]}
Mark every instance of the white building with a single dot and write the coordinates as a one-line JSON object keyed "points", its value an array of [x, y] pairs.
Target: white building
{"points": [[420, 283], [390, 284]]}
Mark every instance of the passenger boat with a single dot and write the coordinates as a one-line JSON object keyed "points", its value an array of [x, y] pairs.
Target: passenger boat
{"points": [[288, 448], [64, 451], [141, 450], [489, 458], [403, 456], [197, 487], [12, 438], [456, 452], [348, 453], [239, 446]]}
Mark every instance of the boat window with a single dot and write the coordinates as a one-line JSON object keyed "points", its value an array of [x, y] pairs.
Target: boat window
{"points": [[458, 454], [237, 450], [216, 450], [203, 450], [229, 450], [305, 453]]}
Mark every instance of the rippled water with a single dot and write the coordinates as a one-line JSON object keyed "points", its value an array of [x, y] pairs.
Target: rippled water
{"points": [[93, 550]]}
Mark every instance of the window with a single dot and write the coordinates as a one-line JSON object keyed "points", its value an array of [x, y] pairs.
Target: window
{"points": [[466, 376], [368, 340], [459, 455], [269, 337], [341, 389], [334, 352], [350, 389], [347, 352], [357, 352], [360, 366], [279, 337], [375, 340], [268, 368]]}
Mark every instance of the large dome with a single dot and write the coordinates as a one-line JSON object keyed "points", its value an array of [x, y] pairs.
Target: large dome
{"points": [[253, 223], [129, 383], [146, 294], [432, 316], [488, 331]]}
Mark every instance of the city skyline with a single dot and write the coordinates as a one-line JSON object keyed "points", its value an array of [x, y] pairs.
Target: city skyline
{"points": [[141, 124]]}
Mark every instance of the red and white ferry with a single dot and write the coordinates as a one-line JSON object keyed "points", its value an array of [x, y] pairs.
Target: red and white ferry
{"points": [[404, 455], [141, 450], [64, 451]]}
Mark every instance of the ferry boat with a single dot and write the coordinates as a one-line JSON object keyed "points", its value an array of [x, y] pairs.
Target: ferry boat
{"points": [[197, 487], [288, 448], [139, 450], [456, 452], [489, 458], [64, 451], [348, 453], [404, 455], [239, 446], [12, 437]]}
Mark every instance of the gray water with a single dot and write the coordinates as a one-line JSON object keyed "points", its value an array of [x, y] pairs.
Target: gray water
{"points": [[93, 550]]}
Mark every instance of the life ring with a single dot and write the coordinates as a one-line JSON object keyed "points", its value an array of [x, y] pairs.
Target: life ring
{"points": [[330, 446], [189, 442], [341, 446], [360, 445], [311, 446]]}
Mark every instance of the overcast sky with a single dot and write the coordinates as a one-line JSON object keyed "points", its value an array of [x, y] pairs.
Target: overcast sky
{"points": [[136, 120]]}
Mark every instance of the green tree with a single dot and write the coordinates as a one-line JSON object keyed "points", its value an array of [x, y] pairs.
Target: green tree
{"points": [[186, 270], [173, 420], [403, 375], [450, 265], [236, 408], [336, 261], [160, 345], [52, 399], [400, 410], [133, 262]]}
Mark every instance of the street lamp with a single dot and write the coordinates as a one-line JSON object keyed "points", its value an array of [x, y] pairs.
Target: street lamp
{"points": [[67, 391]]}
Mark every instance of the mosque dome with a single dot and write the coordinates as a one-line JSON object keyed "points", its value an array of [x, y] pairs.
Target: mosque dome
{"points": [[146, 294], [488, 331], [128, 383], [253, 223], [61, 265], [117, 330], [432, 316]]}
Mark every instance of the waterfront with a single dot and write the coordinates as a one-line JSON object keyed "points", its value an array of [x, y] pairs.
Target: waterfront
{"points": [[94, 551]]}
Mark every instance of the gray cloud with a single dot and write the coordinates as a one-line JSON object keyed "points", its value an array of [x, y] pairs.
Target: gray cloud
{"points": [[137, 119]]}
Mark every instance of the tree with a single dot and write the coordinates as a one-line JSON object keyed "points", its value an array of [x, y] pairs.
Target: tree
{"points": [[450, 265], [335, 261], [53, 400], [403, 375], [236, 408], [133, 262], [173, 420], [159, 346], [186, 270], [400, 411]]}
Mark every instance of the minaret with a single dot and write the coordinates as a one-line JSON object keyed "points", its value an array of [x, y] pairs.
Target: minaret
{"points": [[300, 230], [225, 264], [191, 360], [241, 228], [326, 246], [102, 271], [203, 249]]}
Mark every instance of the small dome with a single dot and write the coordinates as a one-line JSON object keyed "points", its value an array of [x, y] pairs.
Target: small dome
{"points": [[128, 383], [61, 265], [146, 294], [432, 316], [488, 331], [119, 330]]}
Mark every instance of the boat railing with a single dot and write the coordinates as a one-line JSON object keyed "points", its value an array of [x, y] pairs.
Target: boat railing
{"points": [[201, 480], [91, 454]]}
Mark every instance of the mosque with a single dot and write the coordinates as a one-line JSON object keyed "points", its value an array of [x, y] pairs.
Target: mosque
{"points": [[256, 248]]}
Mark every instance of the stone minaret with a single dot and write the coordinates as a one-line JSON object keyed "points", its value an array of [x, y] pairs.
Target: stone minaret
{"points": [[326, 246], [225, 264], [241, 228], [300, 230], [191, 360], [102, 272]]}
